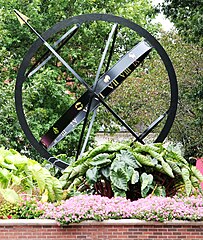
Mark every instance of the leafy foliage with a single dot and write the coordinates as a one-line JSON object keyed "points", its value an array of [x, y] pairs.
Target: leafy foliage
{"points": [[22, 175], [188, 62], [24, 208], [132, 171], [187, 17], [188, 20]]}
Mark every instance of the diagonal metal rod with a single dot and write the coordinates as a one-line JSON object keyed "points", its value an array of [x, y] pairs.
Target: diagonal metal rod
{"points": [[104, 53], [153, 125], [47, 56], [88, 132], [120, 120], [91, 98], [112, 48], [55, 53], [83, 128]]}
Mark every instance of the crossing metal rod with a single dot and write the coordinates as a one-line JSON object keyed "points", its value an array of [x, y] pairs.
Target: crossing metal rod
{"points": [[54, 52], [47, 56], [120, 120], [113, 30]]}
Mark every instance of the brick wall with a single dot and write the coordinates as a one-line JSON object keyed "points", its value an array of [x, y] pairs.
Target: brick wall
{"points": [[112, 230]]}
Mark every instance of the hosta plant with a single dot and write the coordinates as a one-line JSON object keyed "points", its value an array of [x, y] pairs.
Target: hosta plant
{"points": [[19, 174], [132, 171]]}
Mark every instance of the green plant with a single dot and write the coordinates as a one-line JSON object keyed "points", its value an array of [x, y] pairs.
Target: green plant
{"points": [[187, 17], [132, 171], [20, 174], [25, 208]]}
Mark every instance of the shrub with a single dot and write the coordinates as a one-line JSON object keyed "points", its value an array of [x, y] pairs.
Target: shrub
{"points": [[20, 174], [132, 171], [26, 208]]}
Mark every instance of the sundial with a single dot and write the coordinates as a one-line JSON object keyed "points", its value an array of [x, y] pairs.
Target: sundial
{"points": [[111, 72]]}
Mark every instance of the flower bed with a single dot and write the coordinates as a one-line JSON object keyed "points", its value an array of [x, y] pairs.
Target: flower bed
{"points": [[116, 218], [152, 208]]}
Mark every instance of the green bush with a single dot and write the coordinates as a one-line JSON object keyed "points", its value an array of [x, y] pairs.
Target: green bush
{"points": [[132, 171], [19, 174], [25, 208]]}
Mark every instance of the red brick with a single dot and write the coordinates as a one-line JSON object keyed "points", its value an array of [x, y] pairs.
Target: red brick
{"points": [[102, 232]]}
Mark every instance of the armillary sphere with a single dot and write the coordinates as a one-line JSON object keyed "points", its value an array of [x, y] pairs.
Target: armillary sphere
{"points": [[124, 57]]}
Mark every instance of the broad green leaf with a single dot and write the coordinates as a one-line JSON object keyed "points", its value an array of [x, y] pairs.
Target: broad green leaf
{"points": [[45, 196], [135, 177], [39, 175], [167, 168], [16, 180], [73, 186], [186, 179], [10, 195], [5, 173], [97, 150], [18, 160], [174, 166], [197, 173], [14, 152], [75, 171], [49, 187], [118, 192], [146, 183], [119, 179], [101, 160], [5, 177], [117, 147], [145, 191], [54, 188], [139, 147], [143, 160], [129, 171], [117, 164], [6, 165], [106, 172], [57, 188], [68, 170], [128, 158], [195, 182], [159, 168], [160, 191], [156, 155], [154, 161], [177, 157], [92, 175], [146, 180]]}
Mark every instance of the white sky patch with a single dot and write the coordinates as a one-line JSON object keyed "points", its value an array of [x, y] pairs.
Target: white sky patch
{"points": [[166, 24]]}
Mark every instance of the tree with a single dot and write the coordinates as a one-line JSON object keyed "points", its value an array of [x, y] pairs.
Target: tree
{"points": [[15, 41], [187, 59], [187, 16]]}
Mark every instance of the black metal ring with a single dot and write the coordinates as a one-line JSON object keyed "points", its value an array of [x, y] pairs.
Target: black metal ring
{"points": [[79, 20]]}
